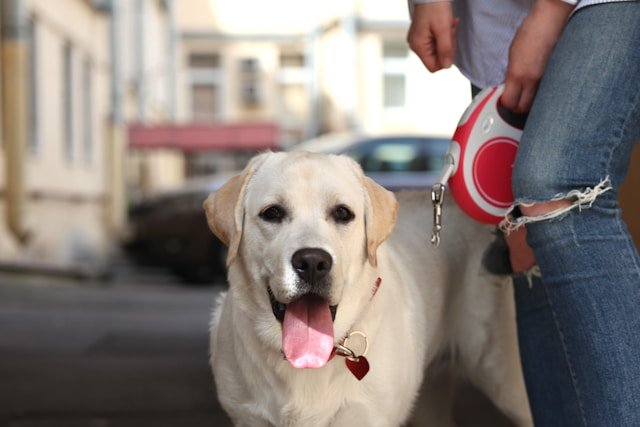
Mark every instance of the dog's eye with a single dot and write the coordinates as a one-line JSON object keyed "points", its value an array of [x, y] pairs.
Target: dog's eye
{"points": [[342, 214], [273, 213]]}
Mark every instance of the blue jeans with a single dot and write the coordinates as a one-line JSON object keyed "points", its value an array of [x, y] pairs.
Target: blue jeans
{"points": [[579, 327]]}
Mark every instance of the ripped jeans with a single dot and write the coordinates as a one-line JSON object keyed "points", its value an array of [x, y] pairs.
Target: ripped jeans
{"points": [[579, 325]]}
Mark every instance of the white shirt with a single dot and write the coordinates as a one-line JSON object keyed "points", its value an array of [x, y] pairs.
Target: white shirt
{"points": [[485, 32]]}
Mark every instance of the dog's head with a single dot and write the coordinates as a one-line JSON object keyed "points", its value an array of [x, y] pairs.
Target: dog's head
{"points": [[302, 229]]}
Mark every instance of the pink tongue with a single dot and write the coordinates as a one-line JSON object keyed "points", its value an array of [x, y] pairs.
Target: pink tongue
{"points": [[307, 333]]}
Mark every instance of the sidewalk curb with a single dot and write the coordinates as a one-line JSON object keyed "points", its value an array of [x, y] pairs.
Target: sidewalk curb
{"points": [[74, 271]]}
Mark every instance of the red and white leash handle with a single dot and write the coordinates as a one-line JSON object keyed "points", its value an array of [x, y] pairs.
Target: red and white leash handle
{"points": [[479, 163]]}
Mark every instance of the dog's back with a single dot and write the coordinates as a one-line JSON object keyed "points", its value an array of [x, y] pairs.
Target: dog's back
{"points": [[473, 314]]}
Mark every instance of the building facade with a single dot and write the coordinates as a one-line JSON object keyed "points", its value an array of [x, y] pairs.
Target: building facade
{"points": [[71, 80], [53, 144], [305, 69], [104, 102], [313, 69]]}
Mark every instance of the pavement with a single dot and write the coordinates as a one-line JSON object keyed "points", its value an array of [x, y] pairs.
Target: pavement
{"points": [[126, 352], [131, 351]]}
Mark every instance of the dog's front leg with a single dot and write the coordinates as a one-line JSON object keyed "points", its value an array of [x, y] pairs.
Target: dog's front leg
{"points": [[243, 416], [255, 423], [355, 415]]}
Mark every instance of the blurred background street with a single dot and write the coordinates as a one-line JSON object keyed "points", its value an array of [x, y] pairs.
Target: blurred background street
{"points": [[117, 119], [131, 351]]}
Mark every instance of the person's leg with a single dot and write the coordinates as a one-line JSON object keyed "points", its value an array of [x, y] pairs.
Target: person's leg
{"points": [[579, 328]]}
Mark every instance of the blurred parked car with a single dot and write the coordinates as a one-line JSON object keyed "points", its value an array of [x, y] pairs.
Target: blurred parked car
{"points": [[171, 230], [395, 161]]}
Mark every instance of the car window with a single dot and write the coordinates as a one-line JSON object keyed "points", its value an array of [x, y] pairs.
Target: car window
{"points": [[400, 155], [434, 150]]}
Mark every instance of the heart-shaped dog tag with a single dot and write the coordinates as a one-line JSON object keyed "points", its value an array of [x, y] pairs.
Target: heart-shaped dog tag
{"points": [[358, 366]]}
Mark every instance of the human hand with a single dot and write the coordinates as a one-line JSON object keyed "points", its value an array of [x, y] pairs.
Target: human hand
{"points": [[432, 34], [530, 50], [520, 253]]}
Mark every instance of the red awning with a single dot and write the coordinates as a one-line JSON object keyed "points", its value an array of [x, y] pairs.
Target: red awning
{"points": [[197, 137]]}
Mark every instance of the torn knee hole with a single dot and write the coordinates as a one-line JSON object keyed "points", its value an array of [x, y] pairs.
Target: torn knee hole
{"points": [[542, 208], [554, 208]]}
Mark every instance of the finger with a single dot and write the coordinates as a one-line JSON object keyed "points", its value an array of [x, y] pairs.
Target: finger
{"points": [[423, 46], [454, 36], [511, 95], [429, 58], [444, 44], [526, 99]]}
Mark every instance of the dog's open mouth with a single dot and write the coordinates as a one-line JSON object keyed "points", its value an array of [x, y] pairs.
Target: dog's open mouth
{"points": [[279, 308], [307, 330]]}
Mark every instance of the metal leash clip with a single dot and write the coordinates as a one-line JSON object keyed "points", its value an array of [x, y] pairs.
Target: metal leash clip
{"points": [[437, 198]]}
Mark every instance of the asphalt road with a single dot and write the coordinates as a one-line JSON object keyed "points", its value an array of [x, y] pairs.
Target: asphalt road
{"points": [[129, 352]]}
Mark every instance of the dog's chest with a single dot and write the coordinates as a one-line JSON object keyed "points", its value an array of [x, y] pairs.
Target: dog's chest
{"points": [[314, 397]]}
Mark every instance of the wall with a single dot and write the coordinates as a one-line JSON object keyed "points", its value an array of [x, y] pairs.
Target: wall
{"points": [[66, 190]]}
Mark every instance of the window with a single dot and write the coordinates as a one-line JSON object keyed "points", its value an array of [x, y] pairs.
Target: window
{"points": [[395, 49], [395, 156], [206, 84], [204, 61], [394, 90], [87, 110], [404, 154], [249, 65], [395, 55], [291, 60], [204, 102], [250, 89], [293, 93], [67, 99]]}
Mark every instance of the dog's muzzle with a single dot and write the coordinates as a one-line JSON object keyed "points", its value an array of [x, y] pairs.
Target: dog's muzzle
{"points": [[312, 266]]}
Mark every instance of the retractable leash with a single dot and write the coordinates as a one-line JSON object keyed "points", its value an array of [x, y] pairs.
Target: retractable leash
{"points": [[478, 165]]}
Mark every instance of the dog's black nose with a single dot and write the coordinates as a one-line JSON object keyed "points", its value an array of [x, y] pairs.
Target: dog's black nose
{"points": [[311, 264]]}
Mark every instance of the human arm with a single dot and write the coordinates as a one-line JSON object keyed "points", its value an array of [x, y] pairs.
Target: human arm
{"points": [[432, 33], [530, 50]]}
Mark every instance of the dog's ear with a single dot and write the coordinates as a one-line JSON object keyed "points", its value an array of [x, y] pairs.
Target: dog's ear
{"points": [[380, 216], [225, 208]]}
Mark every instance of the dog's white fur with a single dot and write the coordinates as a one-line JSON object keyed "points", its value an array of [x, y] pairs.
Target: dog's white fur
{"points": [[432, 303]]}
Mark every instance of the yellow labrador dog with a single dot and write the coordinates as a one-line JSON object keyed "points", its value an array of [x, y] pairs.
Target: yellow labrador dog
{"points": [[337, 303]]}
